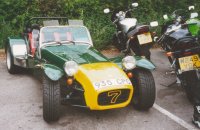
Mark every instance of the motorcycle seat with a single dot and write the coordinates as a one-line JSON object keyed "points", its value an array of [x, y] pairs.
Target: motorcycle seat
{"points": [[130, 29], [137, 30], [184, 43]]}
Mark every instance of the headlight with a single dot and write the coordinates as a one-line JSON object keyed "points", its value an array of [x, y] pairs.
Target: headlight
{"points": [[129, 62], [71, 67]]}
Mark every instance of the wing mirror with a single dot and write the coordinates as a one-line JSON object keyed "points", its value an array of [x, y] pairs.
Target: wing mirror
{"points": [[165, 17], [154, 24], [134, 4], [194, 15], [191, 8], [106, 11]]}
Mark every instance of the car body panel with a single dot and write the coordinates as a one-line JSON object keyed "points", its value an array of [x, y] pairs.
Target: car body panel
{"points": [[52, 72], [19, 50], [89, 74], [194, 26], [141, 62]]}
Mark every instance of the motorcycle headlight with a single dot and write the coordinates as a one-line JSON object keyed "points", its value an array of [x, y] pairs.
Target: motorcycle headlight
{"points": [[71, 68], [129, 62]]}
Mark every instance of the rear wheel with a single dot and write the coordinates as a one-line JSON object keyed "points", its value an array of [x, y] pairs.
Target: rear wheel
{"points": [[147, 53], [51, 99], [12, 69], [192, 85], [144, 89], [188, 92], [141, 50]]}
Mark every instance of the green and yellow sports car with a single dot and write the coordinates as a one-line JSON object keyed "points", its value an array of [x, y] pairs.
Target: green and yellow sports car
{"points": [[74, 72]]}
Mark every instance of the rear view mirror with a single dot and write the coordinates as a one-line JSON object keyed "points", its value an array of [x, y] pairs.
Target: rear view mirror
{"points": [[154, 24], [194, 15], [191, 7], [106, 11], [134, 4], [165, 17]]}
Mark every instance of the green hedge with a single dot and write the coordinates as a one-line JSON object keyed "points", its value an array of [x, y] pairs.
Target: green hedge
{"points": [[14, 12]]}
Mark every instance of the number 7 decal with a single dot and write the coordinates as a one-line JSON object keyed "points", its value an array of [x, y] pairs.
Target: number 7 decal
{"points": [[114, 94]]}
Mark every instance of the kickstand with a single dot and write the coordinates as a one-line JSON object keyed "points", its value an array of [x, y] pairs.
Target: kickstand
{"points": [[169, 84], [170, 72]]}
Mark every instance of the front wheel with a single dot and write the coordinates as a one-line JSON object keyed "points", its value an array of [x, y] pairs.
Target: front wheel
{"points": [[51, 100], [144, 89], [119, 42]]}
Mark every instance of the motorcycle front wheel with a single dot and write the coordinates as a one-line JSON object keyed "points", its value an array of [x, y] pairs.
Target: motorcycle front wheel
{"points": [[119, 42]]}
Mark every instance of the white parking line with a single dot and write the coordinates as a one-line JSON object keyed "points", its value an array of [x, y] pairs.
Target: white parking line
{"points": [[174, 118]]}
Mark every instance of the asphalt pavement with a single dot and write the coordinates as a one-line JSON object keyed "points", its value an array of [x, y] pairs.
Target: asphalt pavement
{"points": [[21, 106]]}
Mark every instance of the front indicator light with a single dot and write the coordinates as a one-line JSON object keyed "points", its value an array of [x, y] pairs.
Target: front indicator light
{"points": [[69, 81], [130, 75]]}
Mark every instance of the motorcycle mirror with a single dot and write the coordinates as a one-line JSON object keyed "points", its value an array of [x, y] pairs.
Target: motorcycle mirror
{"points": [[134, 4], [154, 24], [106, 11], [194, 15], [191, 7], [165, 17], [184, 25]]}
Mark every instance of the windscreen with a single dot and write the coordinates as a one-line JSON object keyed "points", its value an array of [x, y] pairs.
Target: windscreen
{"points": [[59, 34]]}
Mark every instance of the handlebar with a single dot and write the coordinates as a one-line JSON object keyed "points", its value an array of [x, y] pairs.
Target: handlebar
{"points": [[115, 21], [173, 29], [120, 15]]}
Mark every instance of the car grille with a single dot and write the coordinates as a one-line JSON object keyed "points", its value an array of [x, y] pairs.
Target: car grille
{"points": [[113, 97]]}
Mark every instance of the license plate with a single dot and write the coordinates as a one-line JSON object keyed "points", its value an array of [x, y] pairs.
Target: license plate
{"points": [[144, 38], [111, 83], [189, 63]]}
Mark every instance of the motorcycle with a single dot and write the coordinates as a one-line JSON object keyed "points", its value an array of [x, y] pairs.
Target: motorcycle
{"points": [[130, 36], [180, 39]]}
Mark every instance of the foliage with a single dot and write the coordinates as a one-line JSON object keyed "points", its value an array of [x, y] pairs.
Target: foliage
{"points": [[13, 14]]}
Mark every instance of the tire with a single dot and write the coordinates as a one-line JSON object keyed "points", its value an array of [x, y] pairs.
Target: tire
{"points": [[12, 69], [116, 43], [119, 42], [51, 100], [189, 94], [139, 50], [145, 50], [144, 89], [191, 85]]}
